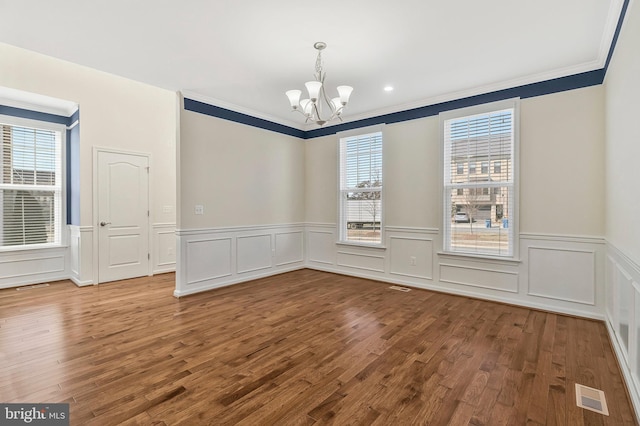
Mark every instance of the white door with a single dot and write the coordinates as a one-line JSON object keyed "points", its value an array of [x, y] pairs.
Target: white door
{"points": [[123, 216]]}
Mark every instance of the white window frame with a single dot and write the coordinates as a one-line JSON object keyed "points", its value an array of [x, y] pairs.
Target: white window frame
{"points": [[61, 219], [342, 220], [514, 219]]}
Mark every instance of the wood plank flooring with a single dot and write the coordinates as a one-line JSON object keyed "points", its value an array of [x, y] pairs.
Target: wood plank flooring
{"points": [[305, 347]]}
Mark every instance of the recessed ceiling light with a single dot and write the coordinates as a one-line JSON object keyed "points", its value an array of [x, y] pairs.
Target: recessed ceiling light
{"points": [[388, 88]]}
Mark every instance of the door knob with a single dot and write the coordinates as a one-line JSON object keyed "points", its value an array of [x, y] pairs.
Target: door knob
{"points": [[105, 223]]}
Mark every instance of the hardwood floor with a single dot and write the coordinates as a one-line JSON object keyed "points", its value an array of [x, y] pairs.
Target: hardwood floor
{"points": [[305, 347]]}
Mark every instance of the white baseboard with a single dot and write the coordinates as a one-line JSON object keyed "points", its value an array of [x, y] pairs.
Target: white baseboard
{"points": [[230, 282], [81, 283], [458, 292]]}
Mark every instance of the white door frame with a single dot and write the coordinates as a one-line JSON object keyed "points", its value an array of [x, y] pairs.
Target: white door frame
{"points": [[95, 218]]}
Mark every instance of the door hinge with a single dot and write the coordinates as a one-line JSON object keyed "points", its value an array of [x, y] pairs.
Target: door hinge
{"points": [[148, 256], [147, 213], [147, 169]]}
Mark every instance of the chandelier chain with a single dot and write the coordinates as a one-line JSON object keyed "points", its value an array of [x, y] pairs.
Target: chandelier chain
{"points": [[319, 62]]}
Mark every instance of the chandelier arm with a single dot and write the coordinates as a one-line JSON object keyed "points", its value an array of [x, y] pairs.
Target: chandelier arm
{"points": [[332, 108], [317, 112], [320, 76], [336, 115]]}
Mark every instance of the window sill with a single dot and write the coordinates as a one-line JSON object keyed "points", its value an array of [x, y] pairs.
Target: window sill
{"points": [[14, 249], [479, 257], [363, 245]]}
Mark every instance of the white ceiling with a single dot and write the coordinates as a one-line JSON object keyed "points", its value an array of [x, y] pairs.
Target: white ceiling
{"points": [[243, 55]]}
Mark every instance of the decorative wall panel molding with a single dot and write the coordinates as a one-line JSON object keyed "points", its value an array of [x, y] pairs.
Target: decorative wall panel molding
{"points": [[411, 257], [368, 262], [473, 276], [289, 247], [254, 252], [207, 259], [81, 254], [216, 257], [33, 266], [163, 248], [321, 244], [562, 274], [623, 317], [581, 239]]}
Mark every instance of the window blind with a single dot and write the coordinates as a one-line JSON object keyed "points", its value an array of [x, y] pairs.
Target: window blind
{"points": [[361, 188], [479, 201], [30, 190]]}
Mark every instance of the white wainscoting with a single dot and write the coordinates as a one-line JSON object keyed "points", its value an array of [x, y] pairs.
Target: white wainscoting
{"points": [[81, 254], [459, 272], [351, 258], [207, 259], [216, 257], [32, 266], [623, 317], [163, 254], [289, 247], [576, 275], [163, 251], [558, 273], [406, 257], [253, 253], [411, 257], [320, 247], [564, 273]]}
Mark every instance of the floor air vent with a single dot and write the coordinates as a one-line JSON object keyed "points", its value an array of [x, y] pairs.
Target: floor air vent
{"points": [[591, 399], [395, 287], [29, 287]]}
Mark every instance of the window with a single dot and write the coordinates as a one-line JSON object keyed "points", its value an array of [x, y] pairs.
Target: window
{"points": [[472, 168], [485, 134], [361, 189], [460, 168], [31, 187]]}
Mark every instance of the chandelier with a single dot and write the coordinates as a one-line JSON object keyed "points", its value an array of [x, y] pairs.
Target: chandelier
{"points": [[312, 107]]}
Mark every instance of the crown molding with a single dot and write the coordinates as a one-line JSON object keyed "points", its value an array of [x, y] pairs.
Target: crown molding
{"points": [[242, 110], [614, 15], [477, 90], [34, 102]]}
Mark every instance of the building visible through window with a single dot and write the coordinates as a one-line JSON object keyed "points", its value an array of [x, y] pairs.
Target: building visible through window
{"points": [[361, 189], [31, 188], [485, 199]]}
